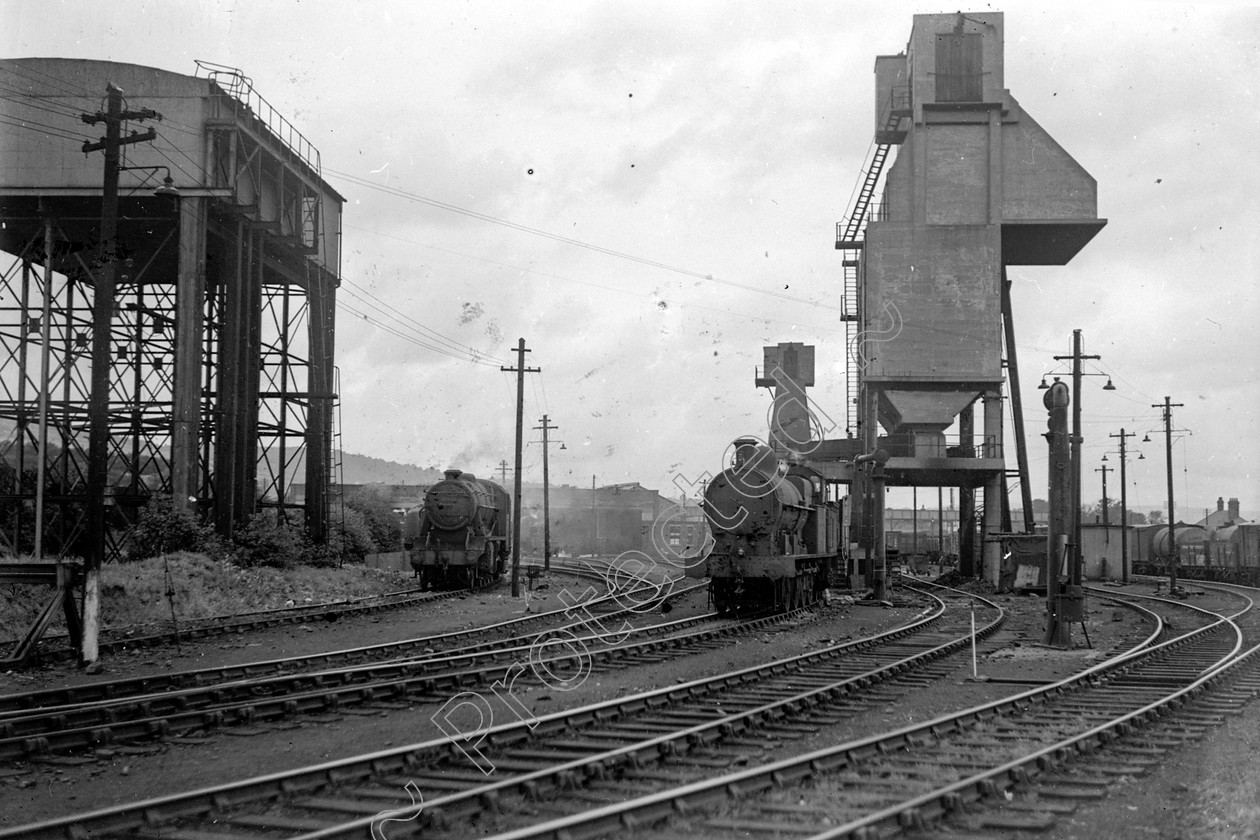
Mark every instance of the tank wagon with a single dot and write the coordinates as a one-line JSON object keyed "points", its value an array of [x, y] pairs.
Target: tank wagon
{"points": [[1228, 555], [777, 536], [460, 536]]}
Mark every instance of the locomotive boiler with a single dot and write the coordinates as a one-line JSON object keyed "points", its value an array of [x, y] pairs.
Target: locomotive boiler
{"points": [[777, 536], [459, 537]]}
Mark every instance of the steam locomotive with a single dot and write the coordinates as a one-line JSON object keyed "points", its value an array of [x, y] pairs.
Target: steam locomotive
{"points": [[460, 536], [777, 536]]}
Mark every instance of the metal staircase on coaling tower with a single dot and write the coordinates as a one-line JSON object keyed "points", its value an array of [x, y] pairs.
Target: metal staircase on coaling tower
{"points": [[851, 236]]}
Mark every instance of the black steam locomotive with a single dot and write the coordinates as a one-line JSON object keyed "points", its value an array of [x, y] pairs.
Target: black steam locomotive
{"points": [[777, 536], [460, 536]]}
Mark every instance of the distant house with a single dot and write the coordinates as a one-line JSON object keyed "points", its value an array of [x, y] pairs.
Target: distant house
{"points": [[1222, 517], [1231, 539]]}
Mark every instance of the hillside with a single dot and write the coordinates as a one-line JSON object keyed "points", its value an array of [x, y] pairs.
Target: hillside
{"points": [[364, 469], [356, 469]]}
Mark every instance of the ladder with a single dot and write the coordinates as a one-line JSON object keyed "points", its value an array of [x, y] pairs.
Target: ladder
{"points": [[336, 477], [851, 239]]}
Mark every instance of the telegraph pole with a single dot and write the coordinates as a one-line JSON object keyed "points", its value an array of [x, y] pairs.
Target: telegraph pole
{"points": [[520, 370], [1104, 469], [1174, 556], [503, 468], [1124, 508], [102, 319], [546, 427]]}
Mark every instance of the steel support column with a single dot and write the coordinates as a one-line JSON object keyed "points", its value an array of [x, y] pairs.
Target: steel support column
{"points": [[321, 307], [190, 293]]}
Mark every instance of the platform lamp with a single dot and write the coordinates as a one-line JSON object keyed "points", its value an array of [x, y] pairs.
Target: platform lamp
{"points": [[168, 187]]}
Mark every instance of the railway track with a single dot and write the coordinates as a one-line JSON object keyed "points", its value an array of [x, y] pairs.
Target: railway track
{"points": [[58, 648], [417, 670], [380, 686], [717, 757], [471, 640], [1032, 755], [652, 725]]}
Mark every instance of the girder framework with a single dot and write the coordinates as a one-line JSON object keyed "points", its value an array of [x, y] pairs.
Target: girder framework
{"points": [[215, 394]]}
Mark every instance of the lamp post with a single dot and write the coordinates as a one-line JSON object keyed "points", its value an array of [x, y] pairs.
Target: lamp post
{"points": [[546, 442], [1174, 556]]}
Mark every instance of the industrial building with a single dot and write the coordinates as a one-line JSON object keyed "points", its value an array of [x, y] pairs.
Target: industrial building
{"points": [[975, 185], [201, 222]]}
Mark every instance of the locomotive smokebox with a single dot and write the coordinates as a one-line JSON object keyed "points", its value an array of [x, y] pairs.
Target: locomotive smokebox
{"points": [[452, 503]]}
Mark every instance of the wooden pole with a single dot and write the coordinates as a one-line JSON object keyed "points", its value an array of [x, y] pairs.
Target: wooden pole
{"points": [[520, 370], [98, 405]]}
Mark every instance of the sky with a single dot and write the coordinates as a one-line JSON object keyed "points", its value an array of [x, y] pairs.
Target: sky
{"points": [[647, 192]]}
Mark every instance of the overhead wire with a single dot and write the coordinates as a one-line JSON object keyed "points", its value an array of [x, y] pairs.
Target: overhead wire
{"points": [[63, 86], [486, 217], [405, 337], [460, 352], [427, 333], [533, 271], [39, 127]]}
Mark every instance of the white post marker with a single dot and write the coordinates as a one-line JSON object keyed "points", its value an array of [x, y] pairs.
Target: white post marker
{"points": [[974, 675]]}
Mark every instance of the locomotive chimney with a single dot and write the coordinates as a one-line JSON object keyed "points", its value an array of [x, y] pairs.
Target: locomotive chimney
{"points": [[745, 448]]}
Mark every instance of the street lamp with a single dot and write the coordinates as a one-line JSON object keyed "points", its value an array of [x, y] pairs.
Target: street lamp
{"points": [[168, 187]]}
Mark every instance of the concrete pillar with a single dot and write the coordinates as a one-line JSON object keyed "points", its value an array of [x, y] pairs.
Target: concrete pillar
{"points": [[967, 499], [993, 494]]}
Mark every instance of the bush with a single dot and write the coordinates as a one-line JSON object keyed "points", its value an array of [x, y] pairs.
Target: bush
{"points": [[266, 540], [350, 540], [383, 525], [164, 527]]}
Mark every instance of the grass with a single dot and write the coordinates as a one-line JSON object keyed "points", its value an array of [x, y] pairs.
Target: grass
{"points": [[135, 593]]}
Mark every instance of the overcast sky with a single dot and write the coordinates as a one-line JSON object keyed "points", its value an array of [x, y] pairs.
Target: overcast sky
{"points": [[647, 194]]}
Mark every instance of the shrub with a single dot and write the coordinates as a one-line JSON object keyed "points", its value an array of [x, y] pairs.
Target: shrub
{"points": [[349, 539], [164, 527], [384, 526], [267, 540]]}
